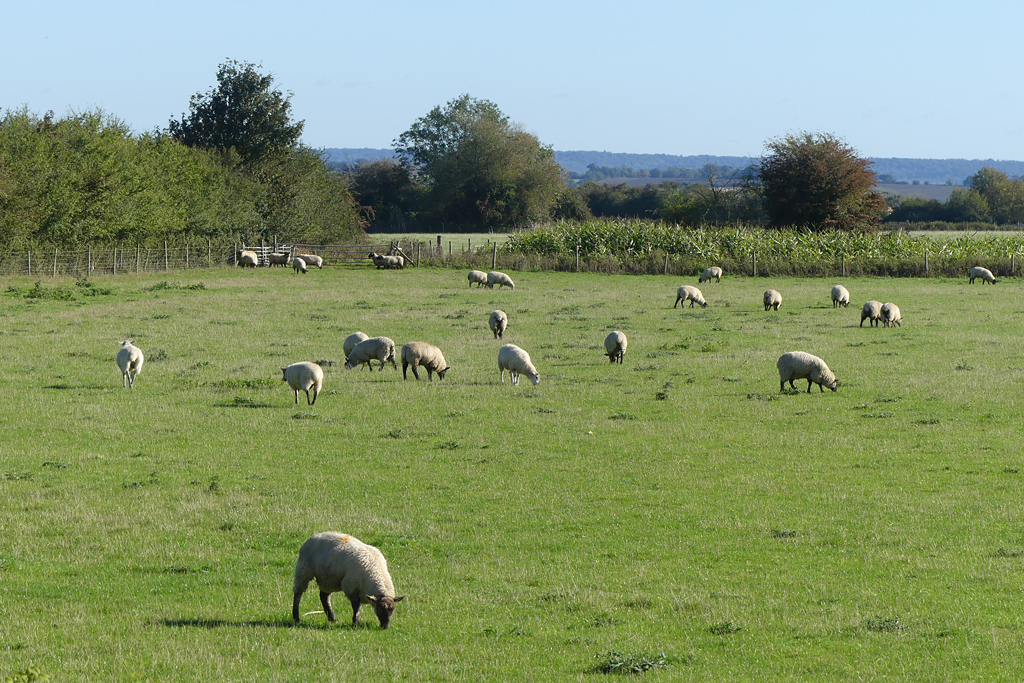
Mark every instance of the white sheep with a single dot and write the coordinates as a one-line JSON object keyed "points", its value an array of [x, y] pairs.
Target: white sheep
{"points": [[393, 262], [374, 348], [312, 260], [615, 346], [799, 365], [840, 296], [343, 563], [772, 299], [299, 265], [479, 277], [378, 260], [691, 294], [891, 315], [497, 278], [498, 322], [422, 354], [130, 360], [516, 361], [351, 341], [303, 377], [984, 273], [276, 259], [248, 259], [872, 312], [712, 272]]}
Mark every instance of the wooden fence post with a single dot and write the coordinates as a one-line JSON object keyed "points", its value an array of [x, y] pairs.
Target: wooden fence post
{"points": [[138, 258], [186, 255], [113, 262], [753, 264], [926, 265], [494, 258], [55, 262], [166, 264], [577, 258], [844, 265], [449, 247], [88, 265], [666, 264], [209, 253]]}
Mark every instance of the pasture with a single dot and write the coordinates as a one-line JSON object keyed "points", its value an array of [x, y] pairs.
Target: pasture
{"points": [[675, 512]]}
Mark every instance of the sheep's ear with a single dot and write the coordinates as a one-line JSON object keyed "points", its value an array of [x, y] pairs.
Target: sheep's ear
{"points": [[400, 598]]}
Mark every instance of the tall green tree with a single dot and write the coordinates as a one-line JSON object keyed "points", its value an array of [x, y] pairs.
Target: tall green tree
{"points": [[1004, 195], [816, 181], [480, 169], [244, 113]]}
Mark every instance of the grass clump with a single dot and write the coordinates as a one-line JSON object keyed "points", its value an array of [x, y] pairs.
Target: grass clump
{"points": [[615, 662]]}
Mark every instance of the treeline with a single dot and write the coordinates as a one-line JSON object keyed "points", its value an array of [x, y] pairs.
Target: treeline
{"points": [[598, 173], [992, 197]]}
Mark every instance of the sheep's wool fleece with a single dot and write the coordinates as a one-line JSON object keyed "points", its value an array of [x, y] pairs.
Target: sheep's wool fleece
{"points": [[341, 562], [802, 365]]}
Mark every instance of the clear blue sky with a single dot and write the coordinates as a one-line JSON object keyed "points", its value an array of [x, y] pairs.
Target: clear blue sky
{"points": [[894, 79]]}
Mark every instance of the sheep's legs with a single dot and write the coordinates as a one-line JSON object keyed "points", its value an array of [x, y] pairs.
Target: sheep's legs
{"points": [[296, 397], [325, 600], [414, 373], [295, 607], [355, 610]]}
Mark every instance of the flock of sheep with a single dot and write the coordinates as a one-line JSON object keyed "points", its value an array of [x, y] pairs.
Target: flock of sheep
{"points": [[340, 562]]}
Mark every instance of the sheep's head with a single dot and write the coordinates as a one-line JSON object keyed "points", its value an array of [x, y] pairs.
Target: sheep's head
{"points": [[534, 377], [284, 374], [440, 373], [384, 607]]}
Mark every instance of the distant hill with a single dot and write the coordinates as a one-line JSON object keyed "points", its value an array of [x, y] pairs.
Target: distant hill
{"points": [[934, 171]]}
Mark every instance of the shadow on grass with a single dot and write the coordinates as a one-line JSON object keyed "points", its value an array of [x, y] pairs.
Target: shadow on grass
{"points": [[94, 387], [221, 623], [242, 405]]}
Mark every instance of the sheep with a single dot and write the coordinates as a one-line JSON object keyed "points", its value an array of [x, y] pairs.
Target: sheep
{"points": [[516, 361], [299, 265], [712, 272], [343, 563], [840, 296], [374, 348], [772, 299], [304, 376], [891, 315], [691, 294], [497, 278], [248, 259], [984, 273], [498, 322], [479, 277], [312, 260], [378, 259], [615, 346], [799, 365], [351, 341], [394, 262], [422, 354], [276, 259], [872, 312], [130, 360]]}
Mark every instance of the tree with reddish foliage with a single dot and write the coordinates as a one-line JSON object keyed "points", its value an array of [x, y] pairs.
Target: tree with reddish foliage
{"points": [[816, 181]]}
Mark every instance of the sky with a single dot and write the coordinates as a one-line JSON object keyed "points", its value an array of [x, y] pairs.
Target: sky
{"points": [[892, 78]]}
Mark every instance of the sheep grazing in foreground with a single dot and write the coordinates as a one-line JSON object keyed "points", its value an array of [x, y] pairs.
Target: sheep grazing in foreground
{"points": [[343, 564], [691, 294], [248, 259], [130, 360], [479, 277], [799, 365], [299, 265], [422, 354], [374, 348], [891, 315], [840, 297], [709, 273], [615, 346], [303, 377], [351, 341], [772, 299], [496, 278], [312, 260], [517, 362], [872, 312], [984, 273], [498, 322], [278, 260]]}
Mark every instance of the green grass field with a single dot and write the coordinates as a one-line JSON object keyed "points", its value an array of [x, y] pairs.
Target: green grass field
{"points": [[678, 504]]}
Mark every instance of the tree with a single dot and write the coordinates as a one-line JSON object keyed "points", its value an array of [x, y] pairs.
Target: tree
{"points": [[814, 180], [388, 189], [1005, 196], [967, 205], [242, 113], [480, 169]]}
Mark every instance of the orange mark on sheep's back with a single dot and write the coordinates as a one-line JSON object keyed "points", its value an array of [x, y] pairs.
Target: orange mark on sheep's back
{"points": [[344, 539]]}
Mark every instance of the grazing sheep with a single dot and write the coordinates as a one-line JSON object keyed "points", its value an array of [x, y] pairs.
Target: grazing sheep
{"points": [[422, 354], [891, 315], [872, 312], [772, 299], [516, 361], [130, 360], [312, 260], [712, 272], [497, 278], [799, 365], [984, 273], [299, 265], [378, 259], [615, 346], [351, 341], [304, 376], [479, 277], [248, 259], [840, 297], [374, 348], [278, 260], [394, 262], [343, 563], [498, 322], [691, 294]]}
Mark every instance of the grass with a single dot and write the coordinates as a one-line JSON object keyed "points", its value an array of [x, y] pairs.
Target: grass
{"points": [[676, 510]]}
